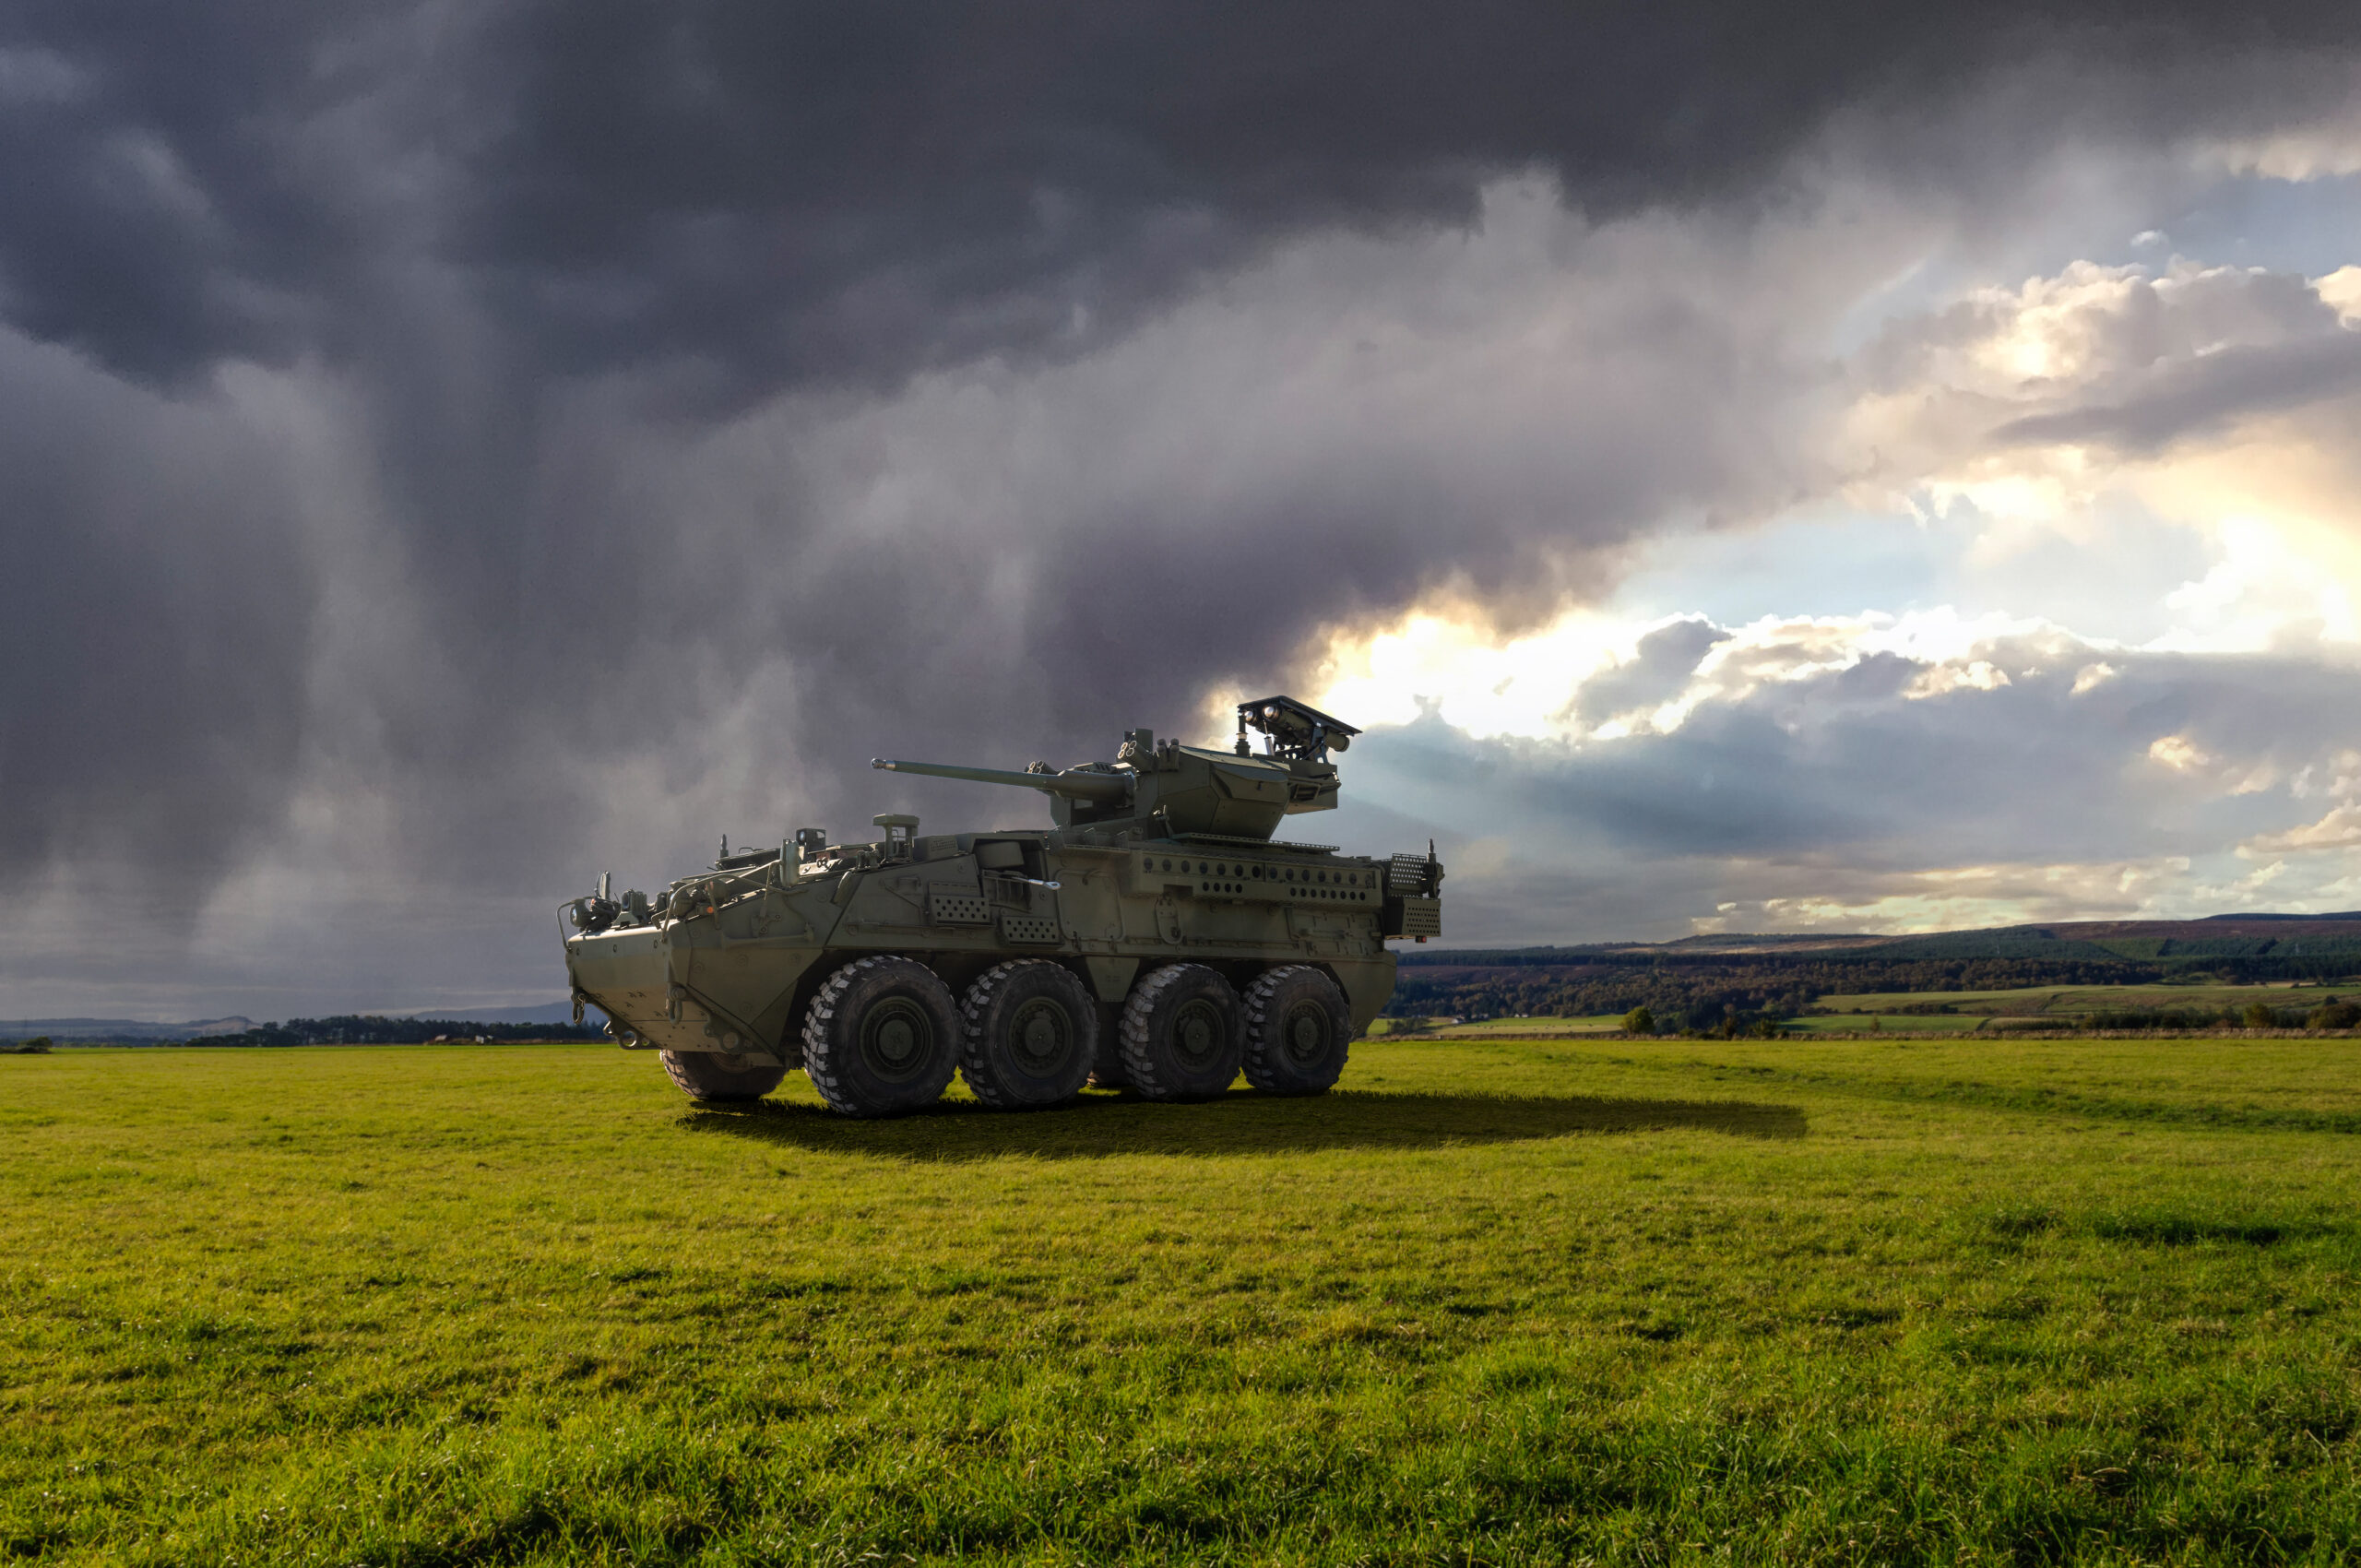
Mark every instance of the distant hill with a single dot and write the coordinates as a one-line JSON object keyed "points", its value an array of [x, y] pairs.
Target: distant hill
{"points": [[2174, 943], [553, 1018], [1741, 976], [116, 1029]]}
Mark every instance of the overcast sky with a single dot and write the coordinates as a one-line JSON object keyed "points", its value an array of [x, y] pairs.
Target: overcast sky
{"points": [[1877, 468]]}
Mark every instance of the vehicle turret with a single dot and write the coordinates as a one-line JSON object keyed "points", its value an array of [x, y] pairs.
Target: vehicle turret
{"points": [[1172, 790]]}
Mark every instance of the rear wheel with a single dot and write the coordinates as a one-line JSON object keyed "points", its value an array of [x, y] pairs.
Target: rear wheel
{"points": [[1299, 1031], [881, 1037], [1180, 1039], [712, 1076], [1032, 1035]]}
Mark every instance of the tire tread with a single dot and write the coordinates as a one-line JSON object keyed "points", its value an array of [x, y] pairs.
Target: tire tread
{"points": [[1134, 1043], [819, 1063], [974, 1061], [1263, 1067]]}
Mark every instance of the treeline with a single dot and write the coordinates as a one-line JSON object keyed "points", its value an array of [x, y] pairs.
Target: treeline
{"points": [[1946, 962], [2316, 968], [1685, 991], [1672, 997], [2331, 1014], [369, 1029], [1923, 972]]}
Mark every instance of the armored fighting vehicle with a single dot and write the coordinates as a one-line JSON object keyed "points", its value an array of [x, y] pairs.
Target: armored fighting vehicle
{"points": [[1158, 937]]}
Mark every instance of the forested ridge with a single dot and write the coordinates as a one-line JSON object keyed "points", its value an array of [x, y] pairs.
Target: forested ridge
{"points": [[1692, 985], [1680, 986]]}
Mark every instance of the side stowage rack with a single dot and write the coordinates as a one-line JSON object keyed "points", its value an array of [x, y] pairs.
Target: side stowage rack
{"points": [[1414, 896]]}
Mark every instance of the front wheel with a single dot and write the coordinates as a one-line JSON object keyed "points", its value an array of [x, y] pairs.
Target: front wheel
{"points": [[718, 1079], [1179, 1034], [1299, 1031], [881, 1038]]}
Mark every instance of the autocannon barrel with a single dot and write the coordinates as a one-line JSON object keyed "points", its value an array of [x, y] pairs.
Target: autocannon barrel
{"points": [[1104, 789]]}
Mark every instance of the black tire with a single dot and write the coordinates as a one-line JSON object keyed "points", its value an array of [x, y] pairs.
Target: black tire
{"points": [[1299, 1031], [1031, 1037], [718, 1079], [881, 1038], [1180, 1039]]}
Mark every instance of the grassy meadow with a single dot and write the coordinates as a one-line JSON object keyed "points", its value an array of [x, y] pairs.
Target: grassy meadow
{"points": [[1860, 1023], [1985, 1302]]}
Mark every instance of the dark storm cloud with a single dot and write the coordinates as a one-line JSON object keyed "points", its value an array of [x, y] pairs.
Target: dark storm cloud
{"points": [[847, 190], [152, 651], [490, 437], [149, 168]]}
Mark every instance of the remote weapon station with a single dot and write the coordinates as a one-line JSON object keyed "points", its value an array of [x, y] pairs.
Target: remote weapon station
{"points": [[1158, 938]]}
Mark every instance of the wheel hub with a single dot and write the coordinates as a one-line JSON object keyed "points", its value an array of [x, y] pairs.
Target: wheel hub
{"points": [[897, 1040], [1305, 1037], [1042, 1036], [1197, 1035]]}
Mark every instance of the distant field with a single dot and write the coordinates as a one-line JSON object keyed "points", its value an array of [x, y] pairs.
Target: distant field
{"points": [[1619, 1301], [1857, 1014], [2092, 998], [1858, 1023], [1503, 1028]]}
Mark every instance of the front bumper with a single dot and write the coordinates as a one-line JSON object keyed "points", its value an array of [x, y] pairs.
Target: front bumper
{"points": [[629, 975], [686, 986]]}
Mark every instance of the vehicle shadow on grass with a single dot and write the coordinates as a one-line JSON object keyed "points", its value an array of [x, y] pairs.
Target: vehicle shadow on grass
{"points": [[1239, 1122]]}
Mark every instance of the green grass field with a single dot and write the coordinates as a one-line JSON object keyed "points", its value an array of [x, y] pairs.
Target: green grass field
{"points": [[1992, 1302], [1851, 1023]]}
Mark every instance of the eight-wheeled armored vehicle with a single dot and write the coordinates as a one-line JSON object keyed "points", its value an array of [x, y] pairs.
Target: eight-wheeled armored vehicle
{"points": [[1157, 938]]}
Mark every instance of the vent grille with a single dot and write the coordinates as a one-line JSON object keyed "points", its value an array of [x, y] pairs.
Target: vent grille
{"points": [[948, 906], [1023, 930]]}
